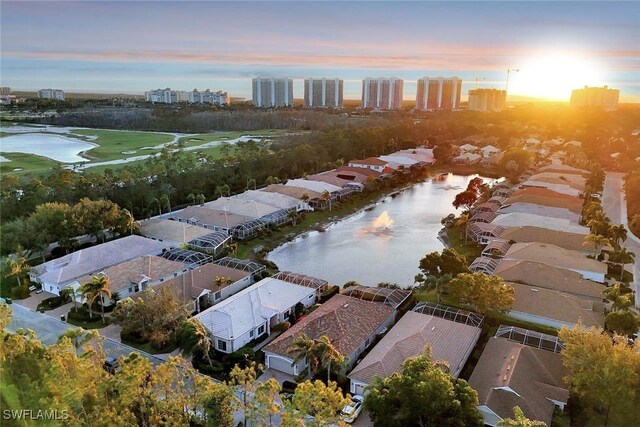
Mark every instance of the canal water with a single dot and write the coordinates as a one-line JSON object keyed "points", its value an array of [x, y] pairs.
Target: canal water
{"points": [[383, 244]]}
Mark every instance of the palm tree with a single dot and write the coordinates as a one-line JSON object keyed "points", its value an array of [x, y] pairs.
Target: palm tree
{"points": [[462, 222], [222, 280], [305, 197], [327, 353], [304, 349], [599, 223], [157, 202], [200, 199], [618, 233], [621, 257], [231, 247], [191, 198], [70, 293], [164, 199], [18, 268], [195, 338], [597, 240], [293, 216], [437, 283], [326, 197], [98, 287]]}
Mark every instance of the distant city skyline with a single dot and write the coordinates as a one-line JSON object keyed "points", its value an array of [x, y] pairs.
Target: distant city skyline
{"points": [[132, 47]]}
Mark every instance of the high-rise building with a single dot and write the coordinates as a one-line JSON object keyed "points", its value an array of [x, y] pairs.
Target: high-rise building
{"points": [[384, 93], [51, 94], [166, 96], [601, 97], [208, 97], [487, 99], [438, 93], [323, 92], [5, 90], [272, 92]]}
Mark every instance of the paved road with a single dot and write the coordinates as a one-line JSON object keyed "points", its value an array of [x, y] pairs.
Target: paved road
{"points": [[49, 329], [615, 207]]}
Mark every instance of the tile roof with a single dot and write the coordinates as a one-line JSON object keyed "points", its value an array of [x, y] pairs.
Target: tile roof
{"points": [[347, 321], [130, 272], [510, 374], [563, 239], [280, 201], [558, 188], [362, 171], [555, 256], [537, 209], [556, 305], [519, 219], [174, 231], [290, 190], [211, 217], [546, 276], [559, 177], [244, 207], [317, 186], [96, 258], [451, 342], [330, 177], [373, 161], [563, 169]]}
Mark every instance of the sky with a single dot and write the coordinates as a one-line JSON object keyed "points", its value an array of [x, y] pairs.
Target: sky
{"points": [[133, 46]]}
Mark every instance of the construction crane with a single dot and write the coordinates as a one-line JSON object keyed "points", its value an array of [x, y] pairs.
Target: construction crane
{"points": [[478, 79], [509, 70]]}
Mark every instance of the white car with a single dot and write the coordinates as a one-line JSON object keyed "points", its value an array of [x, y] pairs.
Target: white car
{"points": [[350, 412]]}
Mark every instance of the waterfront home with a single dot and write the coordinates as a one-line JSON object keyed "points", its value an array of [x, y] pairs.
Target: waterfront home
{"points": [[563, 239], [541, 210], [466, 159], [519, 219], [372, 163], [279, 201], [212, 219], [179, 233]]}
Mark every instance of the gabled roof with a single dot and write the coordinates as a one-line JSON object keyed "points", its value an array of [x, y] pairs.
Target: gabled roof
{"points": [[519, 219], [211, 217], [317, 186], [543, 275], [330, 177], [244, 207], [172, 231], [277, 200], [555, 256], [148, 267], [203, 278], [372, 161], [251, 307], [563, 239], [556, 305], [560, 188], [347, 321], [290, 190], [93, 259], [564, 169], [536, 209], [362, 171], [449, 341], [509, 374]]}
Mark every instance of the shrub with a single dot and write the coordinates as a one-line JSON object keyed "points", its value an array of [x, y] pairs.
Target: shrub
{"points": [[289, 387], [281, 327], [133, 337], [20, 292], [51, 303]]}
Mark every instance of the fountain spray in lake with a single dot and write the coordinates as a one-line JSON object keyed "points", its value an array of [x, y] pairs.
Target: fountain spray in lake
{"points": [[380, 225]]}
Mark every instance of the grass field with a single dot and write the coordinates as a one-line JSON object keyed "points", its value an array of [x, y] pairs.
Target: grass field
{"points": [[112, 144]]}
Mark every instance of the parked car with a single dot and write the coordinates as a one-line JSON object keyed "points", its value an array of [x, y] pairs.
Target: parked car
{"points": [[350, 412], [111, 365]]}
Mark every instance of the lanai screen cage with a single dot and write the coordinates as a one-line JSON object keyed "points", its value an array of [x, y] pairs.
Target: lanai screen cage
{"points": [[483, 217], [241, 264], [449, 313], [344, 193], [186, 256], [486, 207], [497, 247], [497, 200], [530, 338], [483, 233], [213, 242], [248, 229], [278, 218], [484, 265], [302, 280], [393, 298]]}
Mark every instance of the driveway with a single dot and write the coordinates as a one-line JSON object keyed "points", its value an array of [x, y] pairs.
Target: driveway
{"points": [[34, 300], [615, 207]]}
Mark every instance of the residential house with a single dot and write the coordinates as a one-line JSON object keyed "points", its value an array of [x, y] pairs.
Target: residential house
{"points": [[293, 191], [468, 148], [179, 233], [57, 274], [519, 219], [280, 201], [208, 284], [540, 210], [466, 159], [558, 257], [250, 313], [489, 151], [511, 374], [563, 239], [546, 197], [564, 169], [372, 163], [351, 324], [136, 275], [449, 341], [212, 219]]}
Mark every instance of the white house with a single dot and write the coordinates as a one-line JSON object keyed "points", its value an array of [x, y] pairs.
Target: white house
{"points": [[252, 312], [468, 148], [466, 159], [56, 274], [489, 151], [373, 163]]}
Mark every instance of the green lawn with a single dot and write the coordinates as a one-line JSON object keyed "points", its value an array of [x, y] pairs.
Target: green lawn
{"points": [[470, 250], [112, 143], [204, 138], [94, 324], [29, 163]]}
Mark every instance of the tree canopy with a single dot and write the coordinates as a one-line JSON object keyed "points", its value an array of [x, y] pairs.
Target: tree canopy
{"points": [[484, 294]]}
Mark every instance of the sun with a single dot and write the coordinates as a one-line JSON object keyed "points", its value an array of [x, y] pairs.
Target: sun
{"points": [[554, 77]]}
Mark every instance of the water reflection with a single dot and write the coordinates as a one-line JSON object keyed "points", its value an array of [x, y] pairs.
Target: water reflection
{"points": [[383, 244]]}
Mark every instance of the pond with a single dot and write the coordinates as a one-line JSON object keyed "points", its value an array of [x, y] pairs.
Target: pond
{"points": [[59, 148], [383, 244]]}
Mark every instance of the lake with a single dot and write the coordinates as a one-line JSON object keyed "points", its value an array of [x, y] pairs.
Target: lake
{"points": [[384, 244], [59, 148]]}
